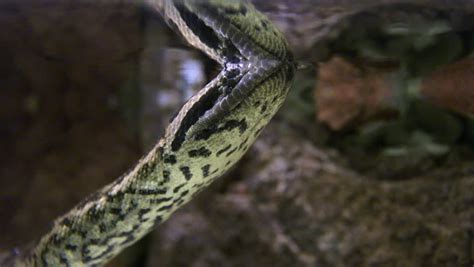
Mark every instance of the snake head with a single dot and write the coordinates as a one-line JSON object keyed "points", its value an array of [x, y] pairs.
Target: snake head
{"points": [[242, 40]]}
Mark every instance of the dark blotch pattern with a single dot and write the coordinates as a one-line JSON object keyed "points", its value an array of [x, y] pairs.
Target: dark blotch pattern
{"points": [[170, 159], [228, 126], [201, 152], [186, 172], [66, 222], [145, 170], [63, 260], [201, 30], [223, 150], [142, 213], [231, 152], [232, 124], [95, 214], [205, 170], [176, 189], [102, 228], [117, 197], [167, 207], [152, 191], [71, 247], [205, 103], [184, 193], [242, 145]]}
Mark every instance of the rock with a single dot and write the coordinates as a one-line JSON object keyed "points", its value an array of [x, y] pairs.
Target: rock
{"points": [[346, 94], [451, 87]]}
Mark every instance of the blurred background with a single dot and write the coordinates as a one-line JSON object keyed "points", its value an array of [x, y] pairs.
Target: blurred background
{"points": [[369, 163]]}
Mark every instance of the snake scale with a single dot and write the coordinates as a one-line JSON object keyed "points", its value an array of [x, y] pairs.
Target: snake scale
{"points": [[208, 136]]}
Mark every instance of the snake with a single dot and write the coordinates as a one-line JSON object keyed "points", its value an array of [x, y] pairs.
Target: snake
{"points": [[209, 134]]}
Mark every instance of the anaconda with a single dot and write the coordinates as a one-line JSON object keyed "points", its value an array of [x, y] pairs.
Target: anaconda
{"points": [[208, 136]]}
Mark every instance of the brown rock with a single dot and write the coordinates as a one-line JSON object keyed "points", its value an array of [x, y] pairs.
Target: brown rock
{"points": [[346, 93], [452, 87]]}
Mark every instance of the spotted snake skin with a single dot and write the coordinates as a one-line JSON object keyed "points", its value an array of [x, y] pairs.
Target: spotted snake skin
{"points": [[211, 132]]}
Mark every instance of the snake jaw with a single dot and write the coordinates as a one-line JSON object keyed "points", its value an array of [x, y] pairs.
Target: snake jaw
{"points": [[245, 63], [248, 75]]}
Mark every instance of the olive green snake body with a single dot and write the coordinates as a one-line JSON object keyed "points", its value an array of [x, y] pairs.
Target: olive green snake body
{"points": [[208, 136]]}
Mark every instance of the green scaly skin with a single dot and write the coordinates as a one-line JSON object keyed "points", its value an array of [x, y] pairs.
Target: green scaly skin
{"points": [[211, 132]]}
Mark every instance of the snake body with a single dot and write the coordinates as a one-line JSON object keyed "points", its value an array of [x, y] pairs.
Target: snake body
{"points": [[210, 134]]}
